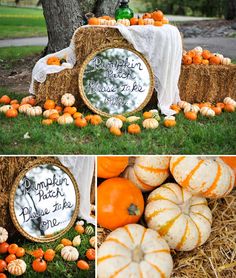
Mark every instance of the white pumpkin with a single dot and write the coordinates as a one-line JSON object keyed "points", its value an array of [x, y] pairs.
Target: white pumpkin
{"points": [[80, 222], [132, 119], [34, 111], [4, 108], [208, 112], [114, 122], [203, 176], [111, 22], [68, 100], [3, 235], [16, 267], [183, 104], [192, 108], [229, 100], [148, 172], [102, 21], [49, 112], [226, 61], [182, 219], [65, 120], [125, 22], [23, 108], [134, 251], [148, 21], [150, 123], [69, 253], [92, 241], [198, 50], [76, 241]]}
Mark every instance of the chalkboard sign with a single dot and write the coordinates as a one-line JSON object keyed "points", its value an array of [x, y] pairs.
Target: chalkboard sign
{"points": [[44, 200], [116, 81]]}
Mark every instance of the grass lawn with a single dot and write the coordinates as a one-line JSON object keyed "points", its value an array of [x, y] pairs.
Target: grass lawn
{"points": [[58, 267], [205, 136], [14, 53], [21, 22]]}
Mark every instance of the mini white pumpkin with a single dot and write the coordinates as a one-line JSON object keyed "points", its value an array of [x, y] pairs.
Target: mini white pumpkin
{"points": [[226, 61], [150, 123], [115, 122], [134, 251], [16, 267], [191, 108], [3, 235], [23, 108], [68, 100], [49, 112], [80, 222], [69, 253], [229, 100], [148, 21], [34, 111], [182, 104], [203, 176], [92, 241], [125, 22], [183, 220], [111, 22], [208, 112], [4, 108], [148, 172], [198, 50], [65, 120], [132, 119], [76, 241]]}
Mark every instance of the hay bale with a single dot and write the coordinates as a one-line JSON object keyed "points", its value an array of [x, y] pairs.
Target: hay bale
{"points": [[212, 83]]}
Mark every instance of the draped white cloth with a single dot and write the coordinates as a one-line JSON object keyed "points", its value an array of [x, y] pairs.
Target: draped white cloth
{"points": [[82, 168], [162, 47]]}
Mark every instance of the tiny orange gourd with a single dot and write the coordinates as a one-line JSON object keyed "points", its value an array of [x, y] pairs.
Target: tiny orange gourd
{"points": [[81, 122], [39, 265], [220, 104], [134, 129], [83, 265], [5, 99], [4, 247], [70, 110], [79, 229], [96, 120], [217, 110], [47, 122], [187, 60], [158, 23], [3, 265], [93, 21], [77, 115], [53, 61], [197, 59], [115, 131], [134, 21], [214, 60], [206, 54], [192, 116], [229, 108], [54, 117], [11, 113], [90, 254], [20, 252], [147, 115], [10, 258], [66, 242], [12, 248], [157, 15], [49, 255], [49, 104], [38, 253]]}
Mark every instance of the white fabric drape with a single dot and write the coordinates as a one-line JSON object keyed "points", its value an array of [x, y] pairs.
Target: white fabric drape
{"points": [[162, 47], [82, 168]]}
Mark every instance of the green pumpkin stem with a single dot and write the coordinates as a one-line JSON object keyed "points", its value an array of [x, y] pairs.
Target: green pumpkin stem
{"points": [[133, 210]]}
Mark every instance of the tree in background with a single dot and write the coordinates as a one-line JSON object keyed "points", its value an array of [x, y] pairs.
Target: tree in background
{"points": [[63, 17]]}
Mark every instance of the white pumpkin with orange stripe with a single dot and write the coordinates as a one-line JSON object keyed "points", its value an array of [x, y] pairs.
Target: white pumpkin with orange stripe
{"points": [[203, 176], [182, 219], [148, 172], [134, 251]]}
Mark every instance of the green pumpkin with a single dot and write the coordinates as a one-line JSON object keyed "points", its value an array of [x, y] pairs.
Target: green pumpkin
{"points": [[89, 230]]}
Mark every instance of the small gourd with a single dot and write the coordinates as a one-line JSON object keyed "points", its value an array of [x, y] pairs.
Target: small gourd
{"points": [[150, 123], [226, 61], [114, 122], [208, 112], [65, 120], [183, 104], [68, 99], [3, 235], [169, 121], [76, 241], [89, 230], [92, 241], [132, 119], [16, 267], [69, 253]]}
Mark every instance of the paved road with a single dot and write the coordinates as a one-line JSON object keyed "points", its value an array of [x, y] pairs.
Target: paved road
{"points": [[227, 46]]}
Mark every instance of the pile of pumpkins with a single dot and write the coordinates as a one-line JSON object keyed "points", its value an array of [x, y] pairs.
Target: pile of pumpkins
{"points": [[155, 18], [16, 266], [206, 109], [200, 56], [176, 212]]}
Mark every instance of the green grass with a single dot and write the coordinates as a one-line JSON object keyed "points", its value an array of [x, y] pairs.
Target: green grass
{"points": [[21, 22], [205, 136], [13, 54], [58, 267]]}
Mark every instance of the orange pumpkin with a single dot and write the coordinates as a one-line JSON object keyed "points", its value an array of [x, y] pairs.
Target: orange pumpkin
{"points": [[2, 275], [12, 248], [4, 247], [187, 60], [220, 104], [147, 115], [93, 21], [120, 202], [206, 54], [38, 253], [157, 15], [134, 129], [90, 254], [141, 21], [11, 113], [39, 265], [53, 61], [228, 108], [77, 115], [134, 21], [20, 252], [15, 105], [205, 62], [158, 23], [88, 117], [169, 123], [217, 110], [79, 229], [49, 104], [54, 116], [191, 53], [70, 110], [83, 265], [10, 258], [115, 131], [80, 122], [58, 108], [111, 166], [66, 242], [214, 60], [47, 122], [3, 265], [147, 15], [197, 59], [14, 101], [96, 120], [192, 116], [49, 255], [5, 99]]}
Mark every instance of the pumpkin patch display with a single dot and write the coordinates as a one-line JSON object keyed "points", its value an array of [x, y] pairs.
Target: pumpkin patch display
{"points": [[111, 166], [182, 219], [205, 177], [134, 251], [127, 207]]}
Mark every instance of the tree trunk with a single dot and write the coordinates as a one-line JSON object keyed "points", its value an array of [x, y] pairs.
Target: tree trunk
{"points": [[230, 10], [63, 17]]}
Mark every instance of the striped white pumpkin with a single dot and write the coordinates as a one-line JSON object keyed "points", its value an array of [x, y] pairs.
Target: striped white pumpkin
{"points": [[34, 111], [229, 100], [182, 219], [16, 267], [205, 177], [192, 108], [24, 107], [148, 172], [208, 112], [134, 251], [49, 112]]}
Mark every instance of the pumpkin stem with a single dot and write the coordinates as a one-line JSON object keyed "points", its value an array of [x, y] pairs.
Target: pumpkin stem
{"points": [[133, 210], [137, 254]]}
